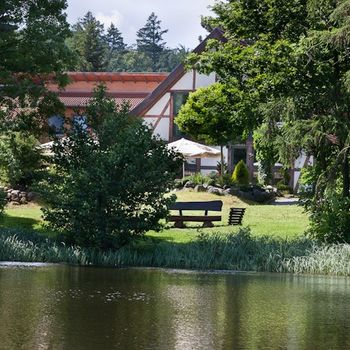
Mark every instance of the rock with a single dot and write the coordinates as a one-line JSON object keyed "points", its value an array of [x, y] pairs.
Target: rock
{"points": [[15, 193], [16, 203], [256, 196], [189, 184], [23, 200], [14, 198], [215, 190], [200, 188], [227, 192], [8, 195], [30, 196]]}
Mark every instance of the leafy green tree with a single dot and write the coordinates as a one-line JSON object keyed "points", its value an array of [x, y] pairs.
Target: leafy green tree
{"points": [[89, 42], [170, 58], [240, 175], [108, 184], [150, 39], [291, 56], [20, 159], [266, 152], [32, 49], [3, 201], [130, 61], [216, 115]]}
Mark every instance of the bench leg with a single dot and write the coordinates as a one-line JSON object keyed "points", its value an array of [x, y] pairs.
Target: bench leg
{"points": [[208, 224], [179, 224]]}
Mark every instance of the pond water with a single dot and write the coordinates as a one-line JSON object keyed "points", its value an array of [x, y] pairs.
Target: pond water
{"points": [[62, 307]]}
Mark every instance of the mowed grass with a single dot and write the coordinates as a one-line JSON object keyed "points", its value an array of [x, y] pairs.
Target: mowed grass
{"points": [[285, 221]]}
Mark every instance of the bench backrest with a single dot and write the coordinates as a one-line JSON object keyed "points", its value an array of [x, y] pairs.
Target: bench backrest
{"points": [[236, 216], [208, 206]]}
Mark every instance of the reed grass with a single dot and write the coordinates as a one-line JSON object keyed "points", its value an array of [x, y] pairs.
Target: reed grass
{"points": [[233, 251]]}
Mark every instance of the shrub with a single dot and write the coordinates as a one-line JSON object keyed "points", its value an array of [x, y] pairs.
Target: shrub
{"points": [[224, 180], [330, 219], [281, 186], [107, 186], [20, 159], [2, 201], [240, 175], [198, 179]]}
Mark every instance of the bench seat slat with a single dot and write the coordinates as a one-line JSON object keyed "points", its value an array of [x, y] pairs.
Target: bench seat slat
{"points": [[175, 218]]}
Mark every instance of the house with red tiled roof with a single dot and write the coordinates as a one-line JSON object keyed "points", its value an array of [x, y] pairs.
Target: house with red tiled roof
{"points": [[157, 98], [130, 87], [160, 108]]}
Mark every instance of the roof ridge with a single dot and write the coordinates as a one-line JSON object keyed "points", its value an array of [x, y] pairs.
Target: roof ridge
{"points": [[173, 77]]}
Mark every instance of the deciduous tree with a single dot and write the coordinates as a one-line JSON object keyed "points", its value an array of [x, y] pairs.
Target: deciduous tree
{"points": [[108, 184]]}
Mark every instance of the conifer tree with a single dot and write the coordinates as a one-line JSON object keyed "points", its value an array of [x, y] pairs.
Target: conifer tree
{"points": [[90, 44], [150, 39], [115, 39]]}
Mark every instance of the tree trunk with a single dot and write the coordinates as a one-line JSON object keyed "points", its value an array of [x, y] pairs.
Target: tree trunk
{"points": [[346, 174], [222, 160]]}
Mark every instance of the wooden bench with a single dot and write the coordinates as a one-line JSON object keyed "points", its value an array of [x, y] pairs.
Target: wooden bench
{"points": [[236, 216], [196, 206]]}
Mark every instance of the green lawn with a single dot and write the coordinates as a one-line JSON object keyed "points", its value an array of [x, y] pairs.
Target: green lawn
{"points": [[279, 221]]}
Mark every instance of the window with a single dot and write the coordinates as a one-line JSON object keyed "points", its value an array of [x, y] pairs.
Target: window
{"points": [[80, 121], [179, 99], [56, 124], [238, 154]]}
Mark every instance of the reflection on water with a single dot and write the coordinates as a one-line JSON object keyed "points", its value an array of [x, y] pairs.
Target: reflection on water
{"points": [[61, 307]]}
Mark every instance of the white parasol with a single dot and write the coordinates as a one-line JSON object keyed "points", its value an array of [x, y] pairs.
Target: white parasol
{"points": [[190, 149]]}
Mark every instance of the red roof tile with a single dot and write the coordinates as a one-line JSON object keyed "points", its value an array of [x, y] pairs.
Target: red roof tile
{"points": [[77, 101]]}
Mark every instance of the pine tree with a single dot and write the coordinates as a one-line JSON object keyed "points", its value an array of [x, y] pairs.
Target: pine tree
{"points": [[150, 39], [90, 44], [114, 39]]}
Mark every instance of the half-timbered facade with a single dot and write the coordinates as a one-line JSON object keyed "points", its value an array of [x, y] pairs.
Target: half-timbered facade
{"points": [[157, 98], [160, 108]]}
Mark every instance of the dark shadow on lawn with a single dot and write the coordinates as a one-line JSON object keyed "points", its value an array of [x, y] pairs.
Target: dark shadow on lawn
{"points": [[18, 222], [22, 223]]}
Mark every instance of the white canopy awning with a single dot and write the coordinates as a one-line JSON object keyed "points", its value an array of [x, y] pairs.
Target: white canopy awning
{"points": [[190, 149]]}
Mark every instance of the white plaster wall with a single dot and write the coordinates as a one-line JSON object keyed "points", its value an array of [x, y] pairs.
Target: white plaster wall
{"points": [[299, 164], [150, 121], [213, 161], [185, 83], [204, 80], [157, 109], [162, 129]]}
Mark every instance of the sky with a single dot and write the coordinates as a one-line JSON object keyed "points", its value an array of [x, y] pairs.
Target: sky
{"points": [[181, 17]]}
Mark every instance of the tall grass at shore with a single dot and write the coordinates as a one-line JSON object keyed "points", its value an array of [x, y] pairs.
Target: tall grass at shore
{"points": [[237, 251]]}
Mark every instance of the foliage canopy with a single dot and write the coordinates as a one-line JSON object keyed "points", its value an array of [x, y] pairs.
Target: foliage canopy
{"points": [[108, 185], [290, 60]]}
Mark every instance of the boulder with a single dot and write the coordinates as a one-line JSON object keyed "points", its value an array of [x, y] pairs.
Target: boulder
{"points": [[215, 190], [14, 198], [23, 200], [189, 184], [256, 196], [227, 192], [30, 196], [200, 188]]}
